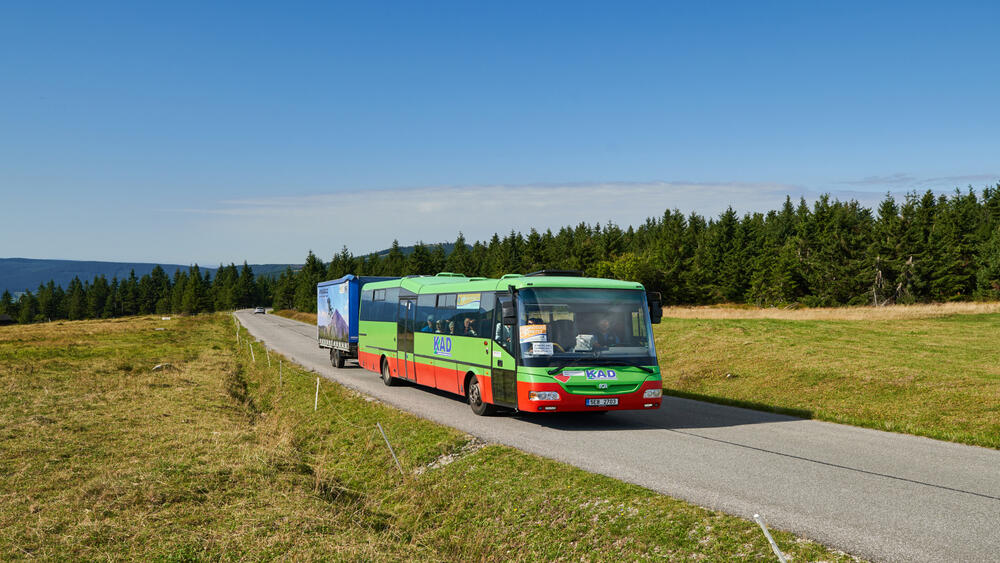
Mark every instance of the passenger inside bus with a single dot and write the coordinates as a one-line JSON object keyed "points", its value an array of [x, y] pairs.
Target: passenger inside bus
{"points": [[502, 335], [430, 324], [605, 338], [467, 328]]}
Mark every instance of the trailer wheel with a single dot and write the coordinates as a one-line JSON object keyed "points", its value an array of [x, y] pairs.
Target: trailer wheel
{"points": [[387, 377], [475, 398], [336, 358]]}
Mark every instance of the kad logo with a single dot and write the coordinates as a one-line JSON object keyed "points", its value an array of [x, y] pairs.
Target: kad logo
{"points": [[442, 346], [601, 374]]}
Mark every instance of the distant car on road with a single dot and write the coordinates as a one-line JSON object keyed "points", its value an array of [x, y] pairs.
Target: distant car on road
{"points": [[258, 310]]}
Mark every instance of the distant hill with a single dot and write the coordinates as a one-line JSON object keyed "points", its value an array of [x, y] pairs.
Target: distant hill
{"points": [[408, 250], [19, 274]]}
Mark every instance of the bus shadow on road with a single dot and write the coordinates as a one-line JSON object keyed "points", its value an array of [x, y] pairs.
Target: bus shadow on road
{"points": [[675, 413]]}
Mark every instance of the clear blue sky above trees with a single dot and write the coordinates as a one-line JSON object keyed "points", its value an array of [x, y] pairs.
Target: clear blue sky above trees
{"points": [[187, 131]]}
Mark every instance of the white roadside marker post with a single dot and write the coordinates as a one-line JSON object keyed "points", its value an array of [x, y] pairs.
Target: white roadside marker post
{"points": [[252, 357], [394, 458], [774, 547], [279, 374], [316, 401], [268, 352]]}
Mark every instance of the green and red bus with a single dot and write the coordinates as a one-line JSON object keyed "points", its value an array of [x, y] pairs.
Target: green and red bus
{"points": [[541, 342]]}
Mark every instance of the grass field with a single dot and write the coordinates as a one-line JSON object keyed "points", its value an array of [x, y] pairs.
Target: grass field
{"points": [[219, 457], [931, 370]]}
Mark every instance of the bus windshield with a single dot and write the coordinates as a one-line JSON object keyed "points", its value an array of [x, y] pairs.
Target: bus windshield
{"points": [[560, 324]]}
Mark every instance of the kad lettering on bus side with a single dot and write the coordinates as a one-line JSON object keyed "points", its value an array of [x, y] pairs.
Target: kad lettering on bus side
{"points": [[442, 346], [601, 374]]}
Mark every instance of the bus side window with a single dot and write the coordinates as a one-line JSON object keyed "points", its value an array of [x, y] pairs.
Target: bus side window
{"points": [[484, 320], [502, 334]]}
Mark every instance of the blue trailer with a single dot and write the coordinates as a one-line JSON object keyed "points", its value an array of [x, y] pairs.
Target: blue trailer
{"points": [[337, 304]]}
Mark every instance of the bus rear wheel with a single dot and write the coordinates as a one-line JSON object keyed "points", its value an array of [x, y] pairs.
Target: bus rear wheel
{"points": [[387, 377], [475, 397]]}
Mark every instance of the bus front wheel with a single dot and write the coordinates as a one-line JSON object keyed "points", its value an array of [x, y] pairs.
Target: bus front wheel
{"points": [[475, 397], [387, 377]]}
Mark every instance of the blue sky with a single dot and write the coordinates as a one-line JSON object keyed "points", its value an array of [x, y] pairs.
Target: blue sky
{"points": [[210, 132]]}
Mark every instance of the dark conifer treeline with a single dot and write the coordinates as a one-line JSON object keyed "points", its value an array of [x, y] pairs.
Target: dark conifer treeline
{"points": [[926, 248], [187, 292]]}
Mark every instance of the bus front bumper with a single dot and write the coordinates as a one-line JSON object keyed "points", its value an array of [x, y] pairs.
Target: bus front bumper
{"points": [[569, 402]]}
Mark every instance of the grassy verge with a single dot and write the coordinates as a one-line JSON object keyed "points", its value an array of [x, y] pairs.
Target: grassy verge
{"points": [[925, 370], [296, 315], [219, 457]]}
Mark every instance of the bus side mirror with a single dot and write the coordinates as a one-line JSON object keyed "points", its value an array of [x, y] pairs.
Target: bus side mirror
{"points": [[655, 307], [508, 312]]}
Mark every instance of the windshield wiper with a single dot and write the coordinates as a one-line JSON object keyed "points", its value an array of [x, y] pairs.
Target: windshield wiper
{"points": [[640, 366], [566, 363]]}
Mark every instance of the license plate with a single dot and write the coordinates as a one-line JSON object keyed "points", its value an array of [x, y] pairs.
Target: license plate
{"points": [[602, 402]]}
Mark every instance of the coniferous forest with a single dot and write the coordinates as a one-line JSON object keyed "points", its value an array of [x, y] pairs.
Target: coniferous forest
{"points": [[188, 291], [925, 248]]}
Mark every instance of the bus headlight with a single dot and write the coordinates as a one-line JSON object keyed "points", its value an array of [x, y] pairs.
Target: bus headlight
{"points": [[543, 396], [652, 393]]}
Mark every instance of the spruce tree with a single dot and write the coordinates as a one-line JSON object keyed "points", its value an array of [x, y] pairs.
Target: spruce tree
{"points": [[158, 299], [284, 290], [394, 263], [47, 306], [438, 258], [27, 309], [245, 288], [988, 276], [97, 297], [311, 274], [533, 258], [178, 287], [112, 305], [495, 263], [76, 300], [129, 291], [419, 261], [459, 260], [883, 260], [194, 292], [478, 257], [343, 263], [7, 304]]}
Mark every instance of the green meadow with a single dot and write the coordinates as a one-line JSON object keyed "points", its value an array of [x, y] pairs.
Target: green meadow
{"points": [[219, 457], [927, 370]]}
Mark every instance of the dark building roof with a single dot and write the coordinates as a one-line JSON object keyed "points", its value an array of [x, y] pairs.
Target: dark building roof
{"points": [[6, 320]]}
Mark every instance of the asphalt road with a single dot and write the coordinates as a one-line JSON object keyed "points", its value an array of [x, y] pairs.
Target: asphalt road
{"points": [[877, 495]]}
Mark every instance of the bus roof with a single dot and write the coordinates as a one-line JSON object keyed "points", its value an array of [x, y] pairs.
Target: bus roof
{"points": [[452, 283]]}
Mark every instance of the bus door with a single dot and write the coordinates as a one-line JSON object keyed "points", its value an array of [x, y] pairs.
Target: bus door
{"points": [[503, 382], [404, 338]]}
